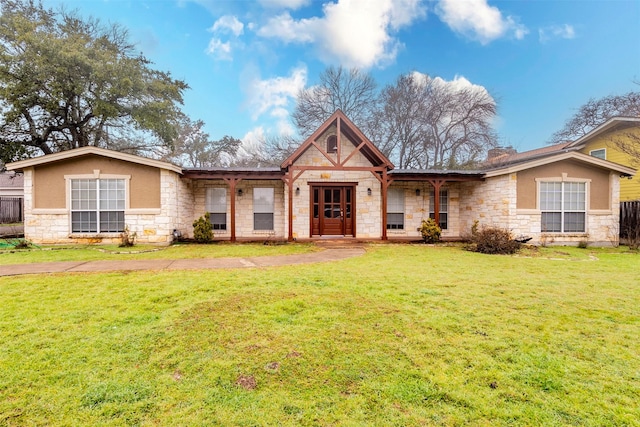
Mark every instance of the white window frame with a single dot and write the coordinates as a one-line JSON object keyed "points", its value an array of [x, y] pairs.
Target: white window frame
{"points": [[444, 207], [216, 205], [100, 207], [395, 208], [263, 209], [604, 153], [564, 182]]}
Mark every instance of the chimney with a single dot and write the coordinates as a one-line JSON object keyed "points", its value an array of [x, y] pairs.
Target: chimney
{"points": [[500, 153]]}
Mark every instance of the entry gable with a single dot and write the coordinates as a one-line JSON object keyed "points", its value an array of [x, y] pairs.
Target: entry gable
{"points": [[328, 142]]}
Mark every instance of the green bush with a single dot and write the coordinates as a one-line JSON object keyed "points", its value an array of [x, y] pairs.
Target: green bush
{"points": [[202, 229], [430, 231], [493, 240]]}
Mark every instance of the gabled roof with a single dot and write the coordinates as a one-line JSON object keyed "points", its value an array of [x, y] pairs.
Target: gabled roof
{"points": [[369, 150], [85, 151], [528, 162], [610, 124]]}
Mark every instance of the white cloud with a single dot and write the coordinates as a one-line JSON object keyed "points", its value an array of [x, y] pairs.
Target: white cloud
{"points": [[219, 49], [565, 31], [478, 20], [284, 4], [273, 97], [228, 24], [458, 84], [351, 33], [251, 142]]}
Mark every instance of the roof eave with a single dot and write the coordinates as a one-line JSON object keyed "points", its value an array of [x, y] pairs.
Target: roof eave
{"points": [[83, 151]]}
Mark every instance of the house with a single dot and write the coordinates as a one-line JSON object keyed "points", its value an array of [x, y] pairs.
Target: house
{"points": [[11, 185], [601, 142], [336, 184]]}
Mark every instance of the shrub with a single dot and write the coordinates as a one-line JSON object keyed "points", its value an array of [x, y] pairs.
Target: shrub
{"points": [[493, 240], [202, 229], [430, 231], [127, 238]]}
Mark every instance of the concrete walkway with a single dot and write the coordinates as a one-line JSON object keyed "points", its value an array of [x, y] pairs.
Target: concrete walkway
{"points": [[329, 254]]}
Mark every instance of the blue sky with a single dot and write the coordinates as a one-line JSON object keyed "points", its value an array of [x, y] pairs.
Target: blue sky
{"points": [[246, 60]]}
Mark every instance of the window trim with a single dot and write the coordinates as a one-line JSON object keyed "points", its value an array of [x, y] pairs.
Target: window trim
{"points": [[97, 175], [273, 204], [399, 226], [564, 178], [445, 212], [334, 147], [604, 150], [217, 226]]}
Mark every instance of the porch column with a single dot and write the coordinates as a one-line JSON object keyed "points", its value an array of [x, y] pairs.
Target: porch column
{"points": [[384, 184], [289, 181]]}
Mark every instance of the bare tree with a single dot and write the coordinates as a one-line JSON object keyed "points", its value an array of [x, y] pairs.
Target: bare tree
{"points": [[459, 117], [352, 91], [267, 151], [195, 148], [595, 112], [427, 123], [401, 125]]}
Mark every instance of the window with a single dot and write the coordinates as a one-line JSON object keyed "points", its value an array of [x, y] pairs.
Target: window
{"points": [[332, 144], [444, 207], [395, 209], [263, 208], [97, 205], [563, 207], [600, 153], [216, 205]]}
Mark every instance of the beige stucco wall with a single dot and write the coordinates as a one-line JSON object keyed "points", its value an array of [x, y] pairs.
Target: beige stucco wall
{"points": [[50, 185], [599, 194]]}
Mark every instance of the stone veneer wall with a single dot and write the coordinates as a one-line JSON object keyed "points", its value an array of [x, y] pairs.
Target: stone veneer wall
{"points": [[244, 208], [150, 225], [417, 208], [493, 203], [368, 214]]}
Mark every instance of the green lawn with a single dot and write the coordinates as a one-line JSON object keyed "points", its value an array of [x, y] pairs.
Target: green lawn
{"points": [[404, 335], [178, 251]]}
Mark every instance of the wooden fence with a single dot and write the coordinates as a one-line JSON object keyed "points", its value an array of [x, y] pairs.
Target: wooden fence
{"points": [[11, 210], [630, 220]]}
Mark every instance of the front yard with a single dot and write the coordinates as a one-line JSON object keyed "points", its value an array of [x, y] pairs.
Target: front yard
{"points": [[405, 335]]}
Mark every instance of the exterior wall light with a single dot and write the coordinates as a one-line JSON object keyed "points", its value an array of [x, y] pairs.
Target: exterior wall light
{"points": [[368, 191], [240, 192], [297, 191], [417, 192]]}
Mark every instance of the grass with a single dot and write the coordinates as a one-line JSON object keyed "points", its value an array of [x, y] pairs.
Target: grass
{"points": [[405, 335], [137, 252]]}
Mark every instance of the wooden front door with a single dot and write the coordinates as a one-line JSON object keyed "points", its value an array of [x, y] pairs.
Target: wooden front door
{"points": [[332, 210]]}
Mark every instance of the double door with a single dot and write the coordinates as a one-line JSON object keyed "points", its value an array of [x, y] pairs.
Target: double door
{"points": [[332, 208]]}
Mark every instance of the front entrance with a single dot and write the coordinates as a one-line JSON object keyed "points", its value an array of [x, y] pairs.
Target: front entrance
{"points": [[332, 208]]}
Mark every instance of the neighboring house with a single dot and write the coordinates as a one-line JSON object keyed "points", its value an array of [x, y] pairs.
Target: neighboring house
{"points": [[11, 185], [336, 184], [600, 142]]}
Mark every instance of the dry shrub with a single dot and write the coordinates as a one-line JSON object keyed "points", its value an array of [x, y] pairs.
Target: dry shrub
{"points": [[493, 240]]}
